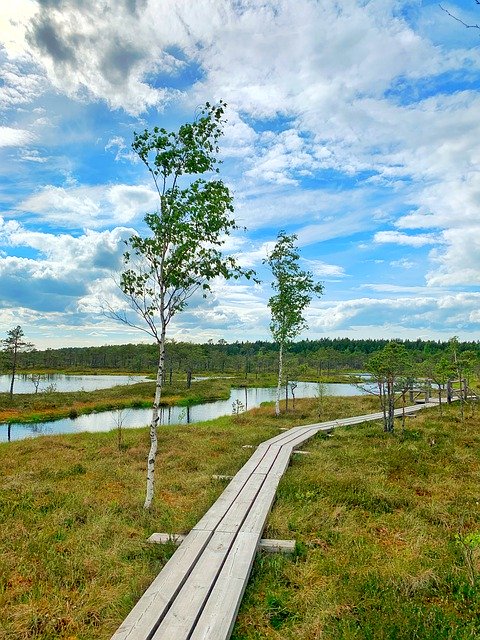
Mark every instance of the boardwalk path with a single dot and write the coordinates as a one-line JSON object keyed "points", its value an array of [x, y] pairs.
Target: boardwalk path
{"points": [[198, 592]]}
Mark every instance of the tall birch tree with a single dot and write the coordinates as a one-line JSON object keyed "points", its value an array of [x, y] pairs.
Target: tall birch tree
{"points": [[182, 252], [294, 289]]}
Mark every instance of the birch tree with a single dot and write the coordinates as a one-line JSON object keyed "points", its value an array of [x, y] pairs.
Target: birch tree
{"points": [[182, 252], [13, 345], [294, 289]]}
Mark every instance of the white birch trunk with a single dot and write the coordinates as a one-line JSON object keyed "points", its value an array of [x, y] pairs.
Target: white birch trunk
{"points": [[152, 454], [279, 383]]}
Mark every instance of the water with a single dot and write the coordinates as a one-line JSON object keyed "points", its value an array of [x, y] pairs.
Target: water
{"points": [[61, 382], [107, 420]]}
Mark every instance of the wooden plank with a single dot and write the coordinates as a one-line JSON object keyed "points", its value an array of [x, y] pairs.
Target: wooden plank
{"points": [[266, 544], [164, 538], [218, 616], [265, 465], [180, 618], [234, 518], [228, 505], [227, 498], [161, 593], [276, 546], [258, 513]]}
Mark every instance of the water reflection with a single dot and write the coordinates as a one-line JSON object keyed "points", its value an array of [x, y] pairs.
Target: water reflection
{"points": [[62, 382], [244, 398]]}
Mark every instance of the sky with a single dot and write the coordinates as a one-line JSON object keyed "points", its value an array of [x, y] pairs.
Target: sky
{"points": [[354, 125]]}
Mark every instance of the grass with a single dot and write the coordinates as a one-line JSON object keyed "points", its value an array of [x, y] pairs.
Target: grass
{"points": [[374, 516], [376, 519]]}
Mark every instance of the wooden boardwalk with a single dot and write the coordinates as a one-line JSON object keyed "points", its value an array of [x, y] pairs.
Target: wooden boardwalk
{"points": [[198, 592]]}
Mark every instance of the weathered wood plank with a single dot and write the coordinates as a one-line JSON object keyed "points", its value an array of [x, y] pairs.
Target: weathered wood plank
{"points": [[160, 594], [218, 616], [181, 616], [268, 545], [276, 546]]}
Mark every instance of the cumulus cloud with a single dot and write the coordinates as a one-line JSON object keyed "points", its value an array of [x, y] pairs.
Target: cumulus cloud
{"points": [[446, 313], [459, 262], [79, 207], [106, 51], [60, 269]]}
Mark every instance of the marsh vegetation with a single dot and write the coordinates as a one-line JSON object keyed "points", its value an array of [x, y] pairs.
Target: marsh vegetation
{"points": [[378, 519]]}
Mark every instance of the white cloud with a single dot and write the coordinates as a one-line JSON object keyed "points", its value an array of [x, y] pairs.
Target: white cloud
{"points": [[397, 288], [454, 202], [61, 268], [322, 269], [33, 155], [446, 314], [80, 207], [282, 157], [382, 237], [93, 50], [321, 214], [403, 263], [459, 262], [10, 137], [122, 151]]}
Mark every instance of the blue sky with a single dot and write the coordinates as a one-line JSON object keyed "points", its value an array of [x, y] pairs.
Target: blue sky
{"points": [[353, 124]]}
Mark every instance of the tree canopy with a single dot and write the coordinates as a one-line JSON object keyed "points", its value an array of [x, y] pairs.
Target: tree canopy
{"points": [[182, 253]]}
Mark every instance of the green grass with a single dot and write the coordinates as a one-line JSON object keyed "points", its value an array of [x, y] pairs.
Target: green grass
{"points": [[375, 518]]}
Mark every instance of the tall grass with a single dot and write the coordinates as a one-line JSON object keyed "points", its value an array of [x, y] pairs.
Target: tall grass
{"points": [[377, 520], [375, 517]]}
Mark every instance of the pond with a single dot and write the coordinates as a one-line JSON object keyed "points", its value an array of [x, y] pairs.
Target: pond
{"points": [[62, 382], [242, 398]]}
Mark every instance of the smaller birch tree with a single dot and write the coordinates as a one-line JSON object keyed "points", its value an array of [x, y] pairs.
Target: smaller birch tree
{"points": [[294, 289], [182, 252], [13, 345], [387, 368]]}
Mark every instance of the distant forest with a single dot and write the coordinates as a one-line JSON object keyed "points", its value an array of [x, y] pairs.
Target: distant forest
{"points": [[313, 356]]}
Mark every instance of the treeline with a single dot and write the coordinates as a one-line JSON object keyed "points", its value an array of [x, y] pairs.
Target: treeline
{"points": [[314, 356]]}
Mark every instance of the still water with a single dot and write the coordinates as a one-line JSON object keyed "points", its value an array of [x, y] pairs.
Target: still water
{"points": [[243, 399], [61, 382]]}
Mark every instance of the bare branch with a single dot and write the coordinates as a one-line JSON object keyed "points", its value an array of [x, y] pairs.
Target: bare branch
{"points": [[468, 26]]}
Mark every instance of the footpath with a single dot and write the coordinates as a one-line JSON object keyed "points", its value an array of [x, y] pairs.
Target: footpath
{"points": [[198, 592]]}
